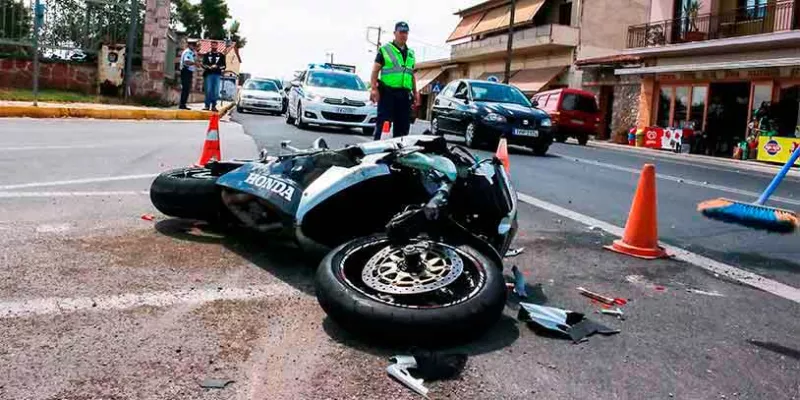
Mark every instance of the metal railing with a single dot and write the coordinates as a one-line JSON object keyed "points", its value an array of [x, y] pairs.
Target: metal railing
{"points": [[765, 18], [501, 40]]}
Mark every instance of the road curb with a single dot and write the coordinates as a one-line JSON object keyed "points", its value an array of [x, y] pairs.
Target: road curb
{"points": [[745, 165], [105, 113]]}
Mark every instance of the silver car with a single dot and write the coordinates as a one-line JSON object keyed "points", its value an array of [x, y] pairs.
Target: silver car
{"points": [[260, 95]]}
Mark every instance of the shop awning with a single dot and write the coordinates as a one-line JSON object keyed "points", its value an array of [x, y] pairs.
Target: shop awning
{"points": [[426, 76], [465, 27], [496, 19], [770, 63], [533, 80]]}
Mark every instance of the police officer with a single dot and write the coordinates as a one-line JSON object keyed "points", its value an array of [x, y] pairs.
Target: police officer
{"points": [[397, 86]]}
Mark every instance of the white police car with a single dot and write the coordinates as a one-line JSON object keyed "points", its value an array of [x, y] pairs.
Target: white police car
{"points": [[323, 95]]}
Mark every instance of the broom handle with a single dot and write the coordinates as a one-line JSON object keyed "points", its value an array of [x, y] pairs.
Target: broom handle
{"points": [[778, 178]]}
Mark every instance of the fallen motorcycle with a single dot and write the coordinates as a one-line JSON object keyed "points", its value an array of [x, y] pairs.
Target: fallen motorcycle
{"points": [[416, 229]]}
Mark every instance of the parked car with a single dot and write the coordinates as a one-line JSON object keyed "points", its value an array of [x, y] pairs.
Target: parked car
{"points": [[328, 97], [284, 91], [574, 113], [261, 95], [484, 111]]}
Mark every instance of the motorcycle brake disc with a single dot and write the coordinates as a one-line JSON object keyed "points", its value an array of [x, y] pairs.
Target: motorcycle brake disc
{"points": [[384, 271]]}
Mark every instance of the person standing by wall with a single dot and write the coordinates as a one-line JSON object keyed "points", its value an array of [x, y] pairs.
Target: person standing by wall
{"points": [[187, 67], [213, 64], [397, 86]]}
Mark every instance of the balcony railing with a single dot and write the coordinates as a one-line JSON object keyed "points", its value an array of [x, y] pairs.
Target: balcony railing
{"points": [[529, 37], [766, 18]]}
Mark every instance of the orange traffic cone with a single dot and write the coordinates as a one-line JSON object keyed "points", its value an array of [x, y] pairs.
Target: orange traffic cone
{"points": [[641, 231], [211, 150], [386, 131], [502, 154]]}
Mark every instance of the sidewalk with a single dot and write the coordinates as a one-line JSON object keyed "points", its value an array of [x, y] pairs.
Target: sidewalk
{"points": [[725, 162], [17, 109]]}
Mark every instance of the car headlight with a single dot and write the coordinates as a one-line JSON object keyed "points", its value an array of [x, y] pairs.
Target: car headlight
{"points": [[314, 97], [546, 122], [492, 117]]}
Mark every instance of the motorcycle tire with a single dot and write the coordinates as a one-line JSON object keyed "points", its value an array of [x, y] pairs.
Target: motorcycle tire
{"points": [[189, 193], [423, 325]]}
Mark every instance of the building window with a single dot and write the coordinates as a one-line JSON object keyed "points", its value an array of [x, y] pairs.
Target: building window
{"points": [[565, 14], [762, 93], [681, 106]]}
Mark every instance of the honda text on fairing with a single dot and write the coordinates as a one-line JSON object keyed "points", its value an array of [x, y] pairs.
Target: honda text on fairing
{"points": [[483, 112], [323, 95], [416, 228]]}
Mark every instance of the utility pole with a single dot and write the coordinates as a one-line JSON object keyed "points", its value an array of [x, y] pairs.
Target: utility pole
{"points": [[330, 55], [130, 48], [507, 75], [378, 44], [38, 19]]}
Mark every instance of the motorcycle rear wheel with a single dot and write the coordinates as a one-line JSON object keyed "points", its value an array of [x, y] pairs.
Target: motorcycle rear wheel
{"points": [[462, 309], [189, 193]]}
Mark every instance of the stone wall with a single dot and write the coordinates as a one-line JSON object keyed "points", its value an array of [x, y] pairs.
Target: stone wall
{"points": [[627, 92], [52, 75]]}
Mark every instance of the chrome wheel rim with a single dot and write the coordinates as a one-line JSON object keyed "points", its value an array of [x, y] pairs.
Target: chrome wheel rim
{"points": [[469, 136], [384, 271]]}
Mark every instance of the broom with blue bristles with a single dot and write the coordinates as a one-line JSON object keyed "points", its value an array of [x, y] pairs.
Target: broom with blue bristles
{"points": [[755, 215]]}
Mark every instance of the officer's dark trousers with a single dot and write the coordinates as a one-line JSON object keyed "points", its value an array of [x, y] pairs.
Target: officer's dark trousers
{"points": [[186, 86], [394, 106]]}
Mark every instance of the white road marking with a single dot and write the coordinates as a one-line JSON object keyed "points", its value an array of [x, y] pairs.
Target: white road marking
{"points": [[61, 305], [76, 181], [15, 195], [72, 147], [728, 271], [49, 228], [727, 189]]}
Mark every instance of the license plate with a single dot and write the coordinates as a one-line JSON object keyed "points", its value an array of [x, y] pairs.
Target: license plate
{"points": [[577, 121], [342, 110], [526, 132]]}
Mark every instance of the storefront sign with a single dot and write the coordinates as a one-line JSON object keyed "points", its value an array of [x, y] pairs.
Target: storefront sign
{"points": [[764, 73], [665, 139], [732, 74], [777, 149]]}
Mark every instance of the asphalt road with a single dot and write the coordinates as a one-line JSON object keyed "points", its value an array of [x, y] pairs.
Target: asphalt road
{"points": [[600, 183], [96, 302]]}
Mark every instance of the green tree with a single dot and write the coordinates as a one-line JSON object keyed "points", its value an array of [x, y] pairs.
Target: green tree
{"points": [[188, 16], [233, 32], [16, 20], [214, 15]]}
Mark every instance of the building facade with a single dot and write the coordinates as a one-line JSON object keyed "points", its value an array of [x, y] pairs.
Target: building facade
{"points": [[717, 66], [549, 37]]}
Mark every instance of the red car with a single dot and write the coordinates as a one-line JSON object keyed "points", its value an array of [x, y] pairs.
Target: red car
{"points": [[573, 112]]}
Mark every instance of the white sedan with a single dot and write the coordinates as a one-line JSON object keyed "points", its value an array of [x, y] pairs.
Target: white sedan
{"points": [[260, 95]]}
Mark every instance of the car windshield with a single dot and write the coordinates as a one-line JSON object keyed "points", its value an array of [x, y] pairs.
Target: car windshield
{"points": [[493, 92], [575, 102], [336, 80], [266, 86]]}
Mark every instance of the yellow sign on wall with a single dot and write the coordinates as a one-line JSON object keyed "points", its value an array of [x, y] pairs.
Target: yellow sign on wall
{"points": [[777, 149]]}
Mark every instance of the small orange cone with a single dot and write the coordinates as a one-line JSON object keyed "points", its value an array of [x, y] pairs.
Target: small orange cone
{"points": [[211, 150], [386, 131], [641, 231], [502, 154]]}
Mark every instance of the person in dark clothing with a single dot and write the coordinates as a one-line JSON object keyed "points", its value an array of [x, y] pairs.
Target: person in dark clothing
{"points": [[395, 90], [213, 65], [187, 67]]}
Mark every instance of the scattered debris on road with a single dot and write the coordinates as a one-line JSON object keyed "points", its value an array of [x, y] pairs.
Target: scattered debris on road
{"points": [[428, 365], [216, 383], [519, 282], [148, 217], [433, 365], [617, 312], [399, 371], [570, 323], [705, 293], [603, 299], [514, 252]]}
